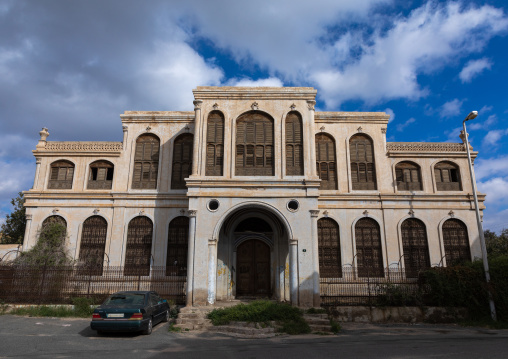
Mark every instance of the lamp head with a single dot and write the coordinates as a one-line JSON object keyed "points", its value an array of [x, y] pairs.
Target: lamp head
{"points": [[472, 115]]}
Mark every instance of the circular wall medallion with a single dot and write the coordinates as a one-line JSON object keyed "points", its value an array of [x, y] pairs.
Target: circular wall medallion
{"points": [[293, 205], [213, 205]]}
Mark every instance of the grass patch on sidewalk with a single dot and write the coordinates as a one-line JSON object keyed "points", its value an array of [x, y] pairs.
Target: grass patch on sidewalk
{"points": [[290, 319], [82, 309]]}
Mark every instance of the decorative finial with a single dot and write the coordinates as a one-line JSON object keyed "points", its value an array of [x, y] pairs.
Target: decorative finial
{"points": [[325, 213], [44, 134], [365, 213], [96, 211], [360, 129], [148, 128], [451, 213], [142, 212], [55, 211], [322, 128], [292, 107], [254, 106], [215, 106], [411, 212]]}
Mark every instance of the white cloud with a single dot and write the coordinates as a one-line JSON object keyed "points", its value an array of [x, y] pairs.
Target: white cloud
{"points": [[474, 68], [492, 137], [492, 119], [429, 38], [496, 189], [497, 166], [390, 112], [402, 126], [20, 178], [246, 82], [497, 221], [451, 108]]}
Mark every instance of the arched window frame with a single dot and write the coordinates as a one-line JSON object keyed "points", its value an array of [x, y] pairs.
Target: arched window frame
{"points": [[415, 246], [408, 176], [326, 161], [294, 144], [447, 176], [93, 244], [456, 241], [54, 218], [215, 144], [146, 162], [362, 162], [61, 175], [100, 175], [330, 261], [254, 145], [369, 256], [138, 252], [178, 244], [182, 160]]}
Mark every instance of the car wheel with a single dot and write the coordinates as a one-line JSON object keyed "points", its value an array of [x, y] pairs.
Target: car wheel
{"points": [[166, 316], [148, 330]]}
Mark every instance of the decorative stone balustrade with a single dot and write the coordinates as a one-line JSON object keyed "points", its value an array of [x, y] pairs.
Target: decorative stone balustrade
{"points": [[424, 147], [83, 146]]}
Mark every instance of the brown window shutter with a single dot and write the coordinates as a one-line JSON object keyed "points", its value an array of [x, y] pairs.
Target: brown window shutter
{"points": [[146, 162], [456, 242], [325, 157], [361, 155], [182, 161], [294, 145], [329, 249], [368, 248], [139, 246]]}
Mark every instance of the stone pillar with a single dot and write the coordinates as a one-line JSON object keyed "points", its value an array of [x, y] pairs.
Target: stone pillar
{"points": [[311, 104], [197, 137], [125, 132], [190, 257], [38, 161], [212, 269], [26, 238], [315, 257], [293, 270]]}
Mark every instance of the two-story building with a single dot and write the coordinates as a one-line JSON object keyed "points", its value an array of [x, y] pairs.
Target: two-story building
{"points": [[254, 193]]}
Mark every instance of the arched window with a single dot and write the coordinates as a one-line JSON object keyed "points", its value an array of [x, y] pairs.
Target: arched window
{"points": [[146, 162], [93, 244], [101, 175], [215, 144], [369, 255], [329, 249], [325, 161], [254, 145], [61, 175], [363, 171], [54, 219], [178, 239], [456, 242], [447, 176], [408, 176], [182, 160], [294, 145], [139, 246], [415, 246]]}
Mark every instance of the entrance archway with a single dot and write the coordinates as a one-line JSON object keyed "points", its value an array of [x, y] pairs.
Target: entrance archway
{"points": [[253, 255]]}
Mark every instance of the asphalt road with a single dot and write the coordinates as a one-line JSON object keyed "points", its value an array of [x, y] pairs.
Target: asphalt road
{"points": [[24, 337]]}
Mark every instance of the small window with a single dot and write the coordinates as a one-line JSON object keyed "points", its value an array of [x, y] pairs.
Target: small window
{"points": [[447, 177], [363, 173], [294, 145], [408, 177], [146, 162], [215, 144], [62, 173], [326, 162], [101, 175]]}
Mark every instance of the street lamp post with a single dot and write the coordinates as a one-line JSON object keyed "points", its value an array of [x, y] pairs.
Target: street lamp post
{"points": [[472, 115]]}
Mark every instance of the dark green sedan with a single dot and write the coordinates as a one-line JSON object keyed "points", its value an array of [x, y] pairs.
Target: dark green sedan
{"points": [[130, 311]]}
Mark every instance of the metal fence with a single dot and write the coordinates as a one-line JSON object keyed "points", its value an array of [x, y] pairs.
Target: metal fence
{"points": [[58, 285], [362, 287]]}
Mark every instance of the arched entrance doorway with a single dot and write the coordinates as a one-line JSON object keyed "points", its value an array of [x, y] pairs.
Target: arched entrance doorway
{"points": [[252, 256]]}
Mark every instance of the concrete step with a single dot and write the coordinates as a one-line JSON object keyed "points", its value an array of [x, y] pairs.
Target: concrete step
{"points": [[320, 328], [240, 331], [191, 315], [202, 310], [195, 321]]}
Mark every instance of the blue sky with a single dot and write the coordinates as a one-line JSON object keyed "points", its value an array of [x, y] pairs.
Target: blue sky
{"points": [[74, 66]]}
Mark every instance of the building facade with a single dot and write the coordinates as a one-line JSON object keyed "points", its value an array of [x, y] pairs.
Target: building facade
{"points": [[254, 193]]}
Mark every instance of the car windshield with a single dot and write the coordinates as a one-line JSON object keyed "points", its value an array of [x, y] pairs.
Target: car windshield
{"points": [[126, 298]]}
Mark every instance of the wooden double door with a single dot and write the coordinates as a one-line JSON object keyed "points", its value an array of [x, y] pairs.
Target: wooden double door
{"points": [[253, 269]]}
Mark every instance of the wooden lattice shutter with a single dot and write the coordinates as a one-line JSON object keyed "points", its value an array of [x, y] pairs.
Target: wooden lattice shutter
{"points": [[93, 245], [182, 160], [146, 162], [178, 239], [329, 249], [447, 177], [215, 145], [415, 246], [363, 173], [369, 255], [61, 176], [456, 242], [294, 145], [325, 161], [254, 145], [408, 177], [101, 175], [139, 246]]}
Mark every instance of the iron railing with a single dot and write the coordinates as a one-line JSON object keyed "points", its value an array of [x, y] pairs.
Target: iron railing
{"points": [[364, 286], [58, 285]]}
